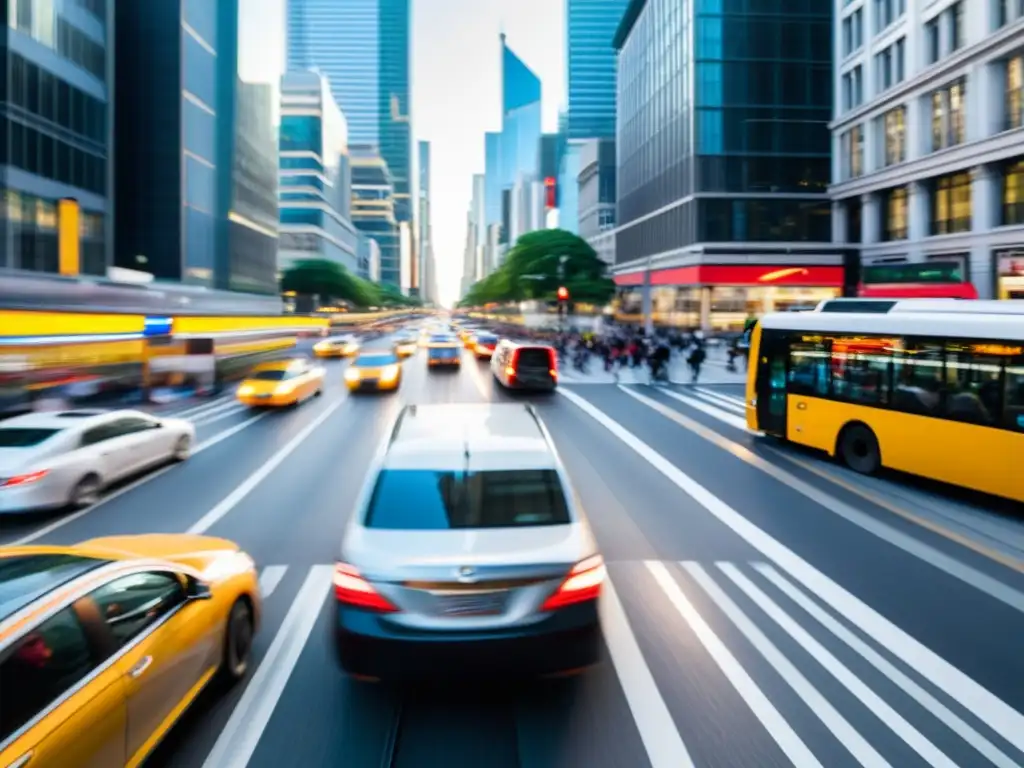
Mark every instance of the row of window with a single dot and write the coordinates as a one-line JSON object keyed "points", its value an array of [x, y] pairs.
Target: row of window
{"points": [[48, 97], [949, 122], [853, 32], [46, 155], [29, 230], [891, 66], [944, 33], [1008, 11], [978, 383], [40, 20], [887, 12], [853, 88]]}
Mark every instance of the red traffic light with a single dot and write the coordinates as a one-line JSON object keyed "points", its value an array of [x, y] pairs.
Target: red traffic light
{"points": [[563, 293]]}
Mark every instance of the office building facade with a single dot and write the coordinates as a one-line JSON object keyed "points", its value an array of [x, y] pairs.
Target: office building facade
{"points": [[596, 193], [519, 145], [492, 176], [363, 47], [373, 209], [723, 160], [428, 270], [315, 175], [928, 141], [590, 27], [57, 137]]}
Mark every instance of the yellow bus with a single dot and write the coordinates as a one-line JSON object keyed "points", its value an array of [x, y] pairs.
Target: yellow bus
{"points": [[932, 387]]}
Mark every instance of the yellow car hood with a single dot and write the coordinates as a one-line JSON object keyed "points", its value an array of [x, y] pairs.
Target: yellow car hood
{"points": [[184, 548], [260, 386]]}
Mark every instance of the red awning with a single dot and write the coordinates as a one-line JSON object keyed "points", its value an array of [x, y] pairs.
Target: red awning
{"points": [[740, 275], [919, 291]]}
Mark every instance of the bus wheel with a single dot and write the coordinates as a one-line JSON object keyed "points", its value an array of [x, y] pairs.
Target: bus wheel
{"points": [[858, 449]]}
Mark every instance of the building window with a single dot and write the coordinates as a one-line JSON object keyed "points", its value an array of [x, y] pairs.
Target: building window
{"points": [[951, 204], [949, 121], [852, 146], [853, 32], [1015, 92], [938, 119], [899, 57], [894, 224], [888, 11], [895, 123], [883, 70], [932, 41], [1013, 194], [956, 26], [853, 88]]}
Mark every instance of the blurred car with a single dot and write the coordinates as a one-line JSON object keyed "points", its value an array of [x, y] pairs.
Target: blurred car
{"points": [[374, 370], [405, 345], [466, 335], [444, 351], [467, 553], [66, 458], [337, 346], [484, 345], [104, 645], [525, 366], [281, 383]]}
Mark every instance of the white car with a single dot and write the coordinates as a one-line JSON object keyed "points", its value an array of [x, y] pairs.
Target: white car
{"points": [[66, 458]]}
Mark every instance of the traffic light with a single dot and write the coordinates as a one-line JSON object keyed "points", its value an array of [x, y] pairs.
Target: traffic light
{"points": [[563, 293]]}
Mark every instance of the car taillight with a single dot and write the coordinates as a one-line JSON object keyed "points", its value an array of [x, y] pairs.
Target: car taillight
{"points": [[26, 479], [582, 584], [352, 589]]}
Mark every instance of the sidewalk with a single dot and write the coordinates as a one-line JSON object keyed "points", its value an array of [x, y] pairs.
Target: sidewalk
{"points": [[713, 371]]}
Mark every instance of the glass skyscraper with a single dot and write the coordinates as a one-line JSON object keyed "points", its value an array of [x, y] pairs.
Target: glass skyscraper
{"points": [[55, 136], [363, 48], [590, 26]]}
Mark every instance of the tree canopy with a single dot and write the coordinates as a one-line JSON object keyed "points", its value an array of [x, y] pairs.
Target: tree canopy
{"points": [[531, 271], [330, 280]]}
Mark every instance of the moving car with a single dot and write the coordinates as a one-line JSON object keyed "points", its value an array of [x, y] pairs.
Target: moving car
{"points": [[405, 345], [484, 344], [281, 383], [467, 553], [525, 366], [66, 458], [374, 370], [104, 645], [444, 350], [336, 346]]}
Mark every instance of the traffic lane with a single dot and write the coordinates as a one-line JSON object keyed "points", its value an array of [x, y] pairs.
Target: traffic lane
{"points": [[173, 501], [635, 511], [972, 631], [875, 505], [325, 718]]}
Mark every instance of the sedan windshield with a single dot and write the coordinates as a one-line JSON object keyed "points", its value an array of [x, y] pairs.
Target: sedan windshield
{"points": [[274, 375], [376, 361]]}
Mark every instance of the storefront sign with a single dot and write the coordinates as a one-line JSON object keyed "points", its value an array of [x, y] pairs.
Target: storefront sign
{"points": [[158, 326], [740, 275]]}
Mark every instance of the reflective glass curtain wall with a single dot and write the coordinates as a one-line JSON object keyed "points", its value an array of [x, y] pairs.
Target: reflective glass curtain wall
{"points": [[519, 145], [492, 177], [54, 133], [590, 66], [395, 103]]}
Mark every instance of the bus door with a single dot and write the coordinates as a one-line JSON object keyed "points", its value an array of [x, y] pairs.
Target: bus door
{"points": [[771, 383]]}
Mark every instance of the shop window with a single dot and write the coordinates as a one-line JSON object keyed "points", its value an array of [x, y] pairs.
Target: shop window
{"points": [[1013, 194], [809, 367], [1014, 104], [972, 386], [951, 204], [917, 378], [895, 123], [895, 213], [861, 369]]}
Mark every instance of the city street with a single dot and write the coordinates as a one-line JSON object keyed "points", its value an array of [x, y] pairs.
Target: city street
{"points": [[765, 607]]}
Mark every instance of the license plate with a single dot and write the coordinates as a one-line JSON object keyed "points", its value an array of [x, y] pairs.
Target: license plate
{"points": [[369, 382], [263, 397], [489, 604]]}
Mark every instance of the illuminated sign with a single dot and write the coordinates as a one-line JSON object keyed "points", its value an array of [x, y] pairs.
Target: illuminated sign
{"points": [[158, 326], [550, 197]]}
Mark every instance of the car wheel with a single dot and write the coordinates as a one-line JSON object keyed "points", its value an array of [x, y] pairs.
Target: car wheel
{"points": [[182, 448], [85, 493], [858, 449], [238, 642], [319, 391]]}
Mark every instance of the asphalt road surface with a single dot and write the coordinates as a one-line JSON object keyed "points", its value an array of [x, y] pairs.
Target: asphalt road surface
{"points": [[765, 608]]}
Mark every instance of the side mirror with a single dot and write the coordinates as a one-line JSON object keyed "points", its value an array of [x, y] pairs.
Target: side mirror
{"points": [[198, 590]]}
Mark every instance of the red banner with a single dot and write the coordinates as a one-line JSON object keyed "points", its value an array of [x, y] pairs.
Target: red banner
{"points": [[740, 275]]}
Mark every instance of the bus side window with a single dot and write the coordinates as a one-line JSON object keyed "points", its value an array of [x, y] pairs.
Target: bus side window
{"points": [[972, 386], [917, 379], [1013, 417], [808, 368], [860, 369]]}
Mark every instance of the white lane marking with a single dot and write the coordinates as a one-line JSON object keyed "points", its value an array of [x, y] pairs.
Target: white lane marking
{"points": [[270, 577], [658, 731], [729, 403], [241, 734], [731, 399], [916, 740], [213, 408], [981, 581], [941, 712], [714, 411], [988, 707], [478, 378], [232, 500], [840, 727], [729, 407], [774, 723], [133, 485], [203, 406], [206, 420]]}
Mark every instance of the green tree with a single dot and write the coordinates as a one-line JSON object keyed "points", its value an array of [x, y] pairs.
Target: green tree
{"points": [[324, 278]]}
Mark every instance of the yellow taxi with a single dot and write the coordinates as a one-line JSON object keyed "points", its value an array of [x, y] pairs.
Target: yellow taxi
{"points": [[374, 370], [103, 645], [336, 346], [281, 383], [405, 346]]}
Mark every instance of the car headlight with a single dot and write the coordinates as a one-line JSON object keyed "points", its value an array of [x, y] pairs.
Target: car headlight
{"points": [[245, 389], [390, 373], [351, 349], [352, 374], [321, 346]]}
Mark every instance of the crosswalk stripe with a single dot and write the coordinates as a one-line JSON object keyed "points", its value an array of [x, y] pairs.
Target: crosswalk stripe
{"points": [[270, 577], [724, 404], [728, 400], [732, 419]]}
